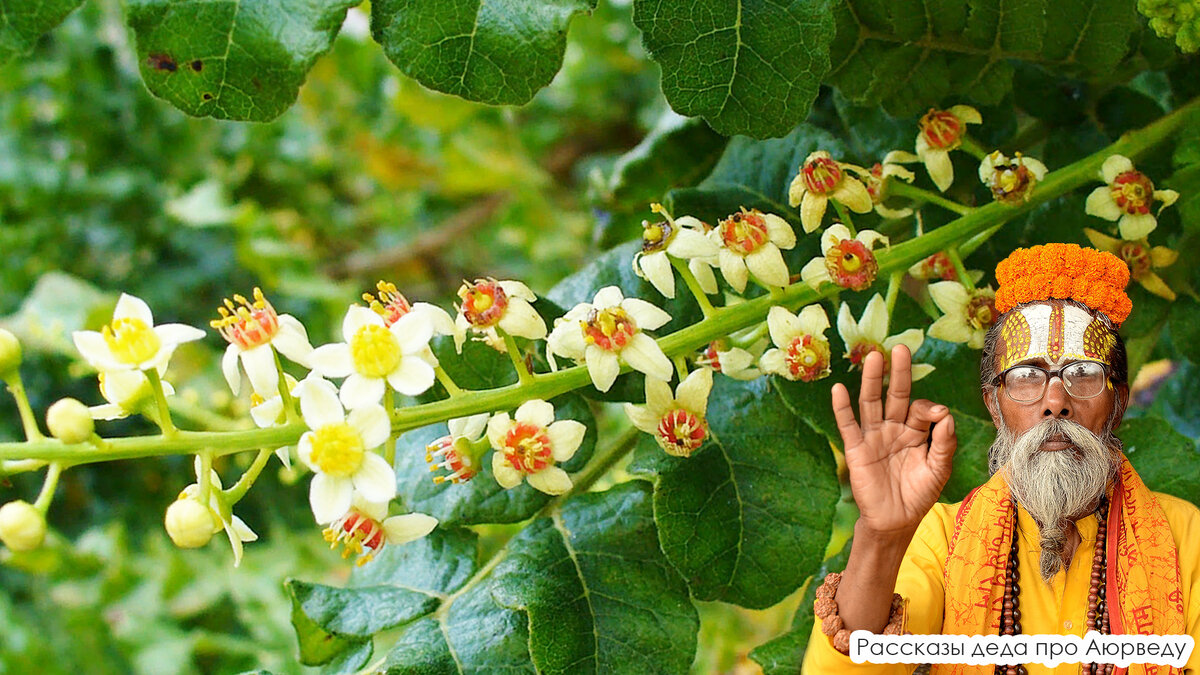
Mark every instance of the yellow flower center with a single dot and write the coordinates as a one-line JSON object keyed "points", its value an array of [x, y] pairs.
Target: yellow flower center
{"points": [[375, 351], [337, 449], [610, 329], [131, 340], [1133, 192]]}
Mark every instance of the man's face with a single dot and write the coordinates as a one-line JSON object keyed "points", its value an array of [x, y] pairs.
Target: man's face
{"points": [[1091, 413]]}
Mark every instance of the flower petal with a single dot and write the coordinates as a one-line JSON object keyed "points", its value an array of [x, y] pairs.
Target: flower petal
{"points": [[783, 326], [94, 349], [516, 289], [603, 367], [1161, 256], [498, 428], [372, 424], [504, 473], [847, 326], [551, 480], [259, 363], [229, 368], [656, 269], [768, 266], [329, 497], [1035, 166], [1136, 226], [471, 427], [413, 332], [413, 376], [874, 322], [870, 238], [912, 338], [812, 211], [1154, 283], [177, 333], [814, 273], [853, 194], [133, 307], [437, 317], [609, 296], [941, 171], [292, 340], [733, 268], [951, 328], [565, 438], [1100, 240], [536, 411], [267, 413], [359, 390], [375, 480], [522, 320], [658, 396], [409, 527], [332, 360], [356, 317], [833, 236], [689, 244], [951, 297], [1114, 166], [796, 192], [966, 113], [779, 231], [646, 315], [644, 354], [773, 361], [692, 393], [642, 418], [319, 403], [704, 275], [1100, 204], [920, 370]]}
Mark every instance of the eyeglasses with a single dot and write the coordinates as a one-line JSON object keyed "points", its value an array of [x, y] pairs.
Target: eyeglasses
{"points": [[1082, 379]]}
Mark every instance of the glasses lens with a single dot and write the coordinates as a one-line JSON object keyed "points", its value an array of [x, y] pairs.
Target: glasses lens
{"points": [[1084, 379], [1024, 383]]}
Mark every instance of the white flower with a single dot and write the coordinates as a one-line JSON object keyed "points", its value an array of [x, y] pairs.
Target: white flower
{"points": [[681, 238], [820, 179], [338, 449], [801, 350], [967, 313], [375, 353], [676, 422], [1127, 198], [845, 261], [1011, 180], [488, 304], [749, 242], [366, 529], [222, 515], [877, 181], [941, 132], [457, 453], [269, 412], [870, 335], [529, 446], [254, 331], [730, 361], [939, 266], [127, 392], [132, 341], [609, 327]]}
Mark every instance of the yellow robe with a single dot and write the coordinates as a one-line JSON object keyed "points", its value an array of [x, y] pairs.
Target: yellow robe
{"points": [[1059, 608]]}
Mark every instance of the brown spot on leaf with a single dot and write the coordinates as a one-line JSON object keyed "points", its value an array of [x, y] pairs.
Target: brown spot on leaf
{"points": [[256, 83], [207, 96], [197, 65], [162, 62]]}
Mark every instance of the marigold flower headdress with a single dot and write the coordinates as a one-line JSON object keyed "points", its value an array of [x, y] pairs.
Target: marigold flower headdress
{"points": [[1065, 271]]}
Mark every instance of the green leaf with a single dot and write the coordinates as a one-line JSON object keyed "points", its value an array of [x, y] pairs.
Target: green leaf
{"points": [[747, 67], [1186, 181], [230, 59], [22, 22], [604, 599], [477, 367], [481, 499], [747, 517], [785, 654], [583, 590], [1166, 460], [1184, 321], [359, 612], [499, 52], [1177, 400], [970, 470]]}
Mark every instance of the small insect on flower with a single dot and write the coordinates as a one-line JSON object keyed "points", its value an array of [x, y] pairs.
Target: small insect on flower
{"points": [[870, 335], [1141, 258], [967, 314], [681, 238], [676, 422], [254, 331], [942, 131], [458, 453], [529, 445], [846, 261], [801, 349], [1011, 180], [488, 304], [822, 178], [1128, 198], [608, 329], [366, 529], [749, 242], [132, 341]]}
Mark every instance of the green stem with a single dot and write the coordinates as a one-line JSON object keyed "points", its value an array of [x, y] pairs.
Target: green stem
{"points": [[681, 367], [972, 147], [235, 493], [510, 343], [447, 382], [389, 404], [902, 189], [844, 215], [956, 259], [160, 399], [546, 386], [893, 290], [203, 476], [48, 487], [693, 285], [28, 420], [285, 392], [14, 466]]}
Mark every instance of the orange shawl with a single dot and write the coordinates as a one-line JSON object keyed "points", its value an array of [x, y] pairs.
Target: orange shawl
{"points": [[1143, 577]]}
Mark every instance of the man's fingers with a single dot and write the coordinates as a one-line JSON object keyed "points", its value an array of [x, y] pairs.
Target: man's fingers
{"points": [[900, 385], [844, 414], [923, 414], [942, 446], [870, 404]]}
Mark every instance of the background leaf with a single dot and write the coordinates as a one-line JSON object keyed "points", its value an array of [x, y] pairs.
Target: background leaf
{"points": [[22, 22]]}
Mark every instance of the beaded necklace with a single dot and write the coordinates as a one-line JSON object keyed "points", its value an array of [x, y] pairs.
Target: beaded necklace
{"points": [[1097, 615]]}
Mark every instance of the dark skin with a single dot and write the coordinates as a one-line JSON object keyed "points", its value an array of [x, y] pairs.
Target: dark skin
{"points": [[898, 468]]}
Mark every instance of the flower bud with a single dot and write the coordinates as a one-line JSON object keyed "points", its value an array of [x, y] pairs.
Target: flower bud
{"points": [[189, 523], [10, 353], [70, 421], [22, 527]]}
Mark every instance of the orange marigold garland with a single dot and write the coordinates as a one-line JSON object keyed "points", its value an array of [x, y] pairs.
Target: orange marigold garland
{"points": [[1066, 271]]}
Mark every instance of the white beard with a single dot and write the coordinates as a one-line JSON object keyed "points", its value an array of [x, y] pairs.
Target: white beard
{"points": [[1055, 487]]}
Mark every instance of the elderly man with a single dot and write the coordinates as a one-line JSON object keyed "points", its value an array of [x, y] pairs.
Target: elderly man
{"points": [[1064, 538]]}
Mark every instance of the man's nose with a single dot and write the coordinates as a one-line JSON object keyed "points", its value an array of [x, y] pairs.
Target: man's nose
{"points": [[1056, 402]]}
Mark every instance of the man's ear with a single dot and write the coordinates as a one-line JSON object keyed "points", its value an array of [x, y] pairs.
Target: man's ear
{"points": [[992, 401], [1120, 403]]}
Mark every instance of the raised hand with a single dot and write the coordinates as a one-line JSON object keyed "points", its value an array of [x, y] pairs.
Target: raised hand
{"points": [[897, 468]]}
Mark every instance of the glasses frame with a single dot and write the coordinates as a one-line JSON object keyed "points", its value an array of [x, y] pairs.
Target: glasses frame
{"points": [[1050, 375]]}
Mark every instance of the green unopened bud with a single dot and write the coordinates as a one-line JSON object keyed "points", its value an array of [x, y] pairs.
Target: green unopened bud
{"points": [[70, 421], [10, 353], [190, 523], [22, 527]]}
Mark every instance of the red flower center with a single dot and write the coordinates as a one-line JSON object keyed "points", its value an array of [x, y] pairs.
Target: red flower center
{"points": [[710, 356], [391, 304], [744, 232], [807, 357], [1137, 257], [247, 324], [938, 266], [981, 311], [874, 183], [527, 447], [1133, 192], [484, 302], [859, 351], [851, 264], [680, 433], [365, 530], [609, 329], [451, 455], [821, 175], [942, 129]]}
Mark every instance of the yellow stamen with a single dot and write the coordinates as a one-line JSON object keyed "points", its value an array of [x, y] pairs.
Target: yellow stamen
{"points": [[337, 449], [131, 340], [376, 352]]}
